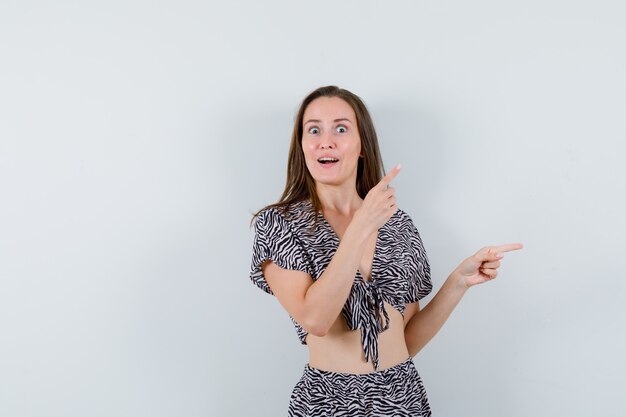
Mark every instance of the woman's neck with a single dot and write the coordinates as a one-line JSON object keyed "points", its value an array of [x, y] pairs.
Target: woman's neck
{"points": [[340, 199]]}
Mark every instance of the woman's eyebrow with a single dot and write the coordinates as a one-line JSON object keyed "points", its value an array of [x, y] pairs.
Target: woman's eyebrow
{"points": [[343, 119]]}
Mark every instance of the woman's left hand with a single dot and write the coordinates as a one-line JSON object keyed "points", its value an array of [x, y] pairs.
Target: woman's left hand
{"points": [[483, 265]]}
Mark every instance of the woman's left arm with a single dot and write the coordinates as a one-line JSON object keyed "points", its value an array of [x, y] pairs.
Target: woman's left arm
{"points": [[477, 269]]}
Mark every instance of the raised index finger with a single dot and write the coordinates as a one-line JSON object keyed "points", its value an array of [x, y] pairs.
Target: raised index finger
{"points": [[507, 248], [390, 176]]}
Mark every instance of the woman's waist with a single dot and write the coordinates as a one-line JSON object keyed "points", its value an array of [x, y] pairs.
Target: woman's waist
{"points": [[342, 351]]}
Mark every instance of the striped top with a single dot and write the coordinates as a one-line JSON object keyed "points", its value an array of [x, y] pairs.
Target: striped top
{"points": [[301, 239]]}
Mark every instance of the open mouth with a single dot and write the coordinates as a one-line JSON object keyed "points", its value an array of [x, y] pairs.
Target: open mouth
{"points": [[327, 161]]}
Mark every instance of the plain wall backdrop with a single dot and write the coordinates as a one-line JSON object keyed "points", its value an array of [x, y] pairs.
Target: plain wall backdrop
{"points": [[137, 137]]}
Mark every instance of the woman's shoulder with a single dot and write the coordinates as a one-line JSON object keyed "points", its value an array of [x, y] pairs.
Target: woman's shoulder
{"points": [[292, 215], [403, 225], [402, 219]]}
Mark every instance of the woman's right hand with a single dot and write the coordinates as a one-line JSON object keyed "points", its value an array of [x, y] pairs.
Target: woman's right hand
{"points": [[379, 204]]}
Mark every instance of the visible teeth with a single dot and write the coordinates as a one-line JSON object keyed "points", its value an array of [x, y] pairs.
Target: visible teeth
{"points": [[327, 160]]}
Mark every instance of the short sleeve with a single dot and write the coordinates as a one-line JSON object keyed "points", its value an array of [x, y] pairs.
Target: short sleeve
{"points": [[275, 240], [420, 284]]}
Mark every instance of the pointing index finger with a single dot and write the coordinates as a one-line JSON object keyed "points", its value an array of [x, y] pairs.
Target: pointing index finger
{"points": [[507, 248], [390, 176]]}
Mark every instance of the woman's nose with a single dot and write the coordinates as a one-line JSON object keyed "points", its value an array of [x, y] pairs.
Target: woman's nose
{"points": [[327, 141]]}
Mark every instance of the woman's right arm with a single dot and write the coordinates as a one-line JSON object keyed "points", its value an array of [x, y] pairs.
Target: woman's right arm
{"points": [[315, 305]]}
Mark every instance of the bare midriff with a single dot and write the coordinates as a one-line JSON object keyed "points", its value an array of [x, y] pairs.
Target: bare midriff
{"points": [[340, 350]]}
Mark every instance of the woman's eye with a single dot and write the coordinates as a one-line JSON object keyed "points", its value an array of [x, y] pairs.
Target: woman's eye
{"points": [[314, 130], [342, 129]]}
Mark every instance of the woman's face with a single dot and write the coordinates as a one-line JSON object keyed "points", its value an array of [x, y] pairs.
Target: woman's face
{"points": [[331, 141]]}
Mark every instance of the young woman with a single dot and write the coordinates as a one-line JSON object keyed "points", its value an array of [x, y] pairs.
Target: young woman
{"points": [[349, 267]]}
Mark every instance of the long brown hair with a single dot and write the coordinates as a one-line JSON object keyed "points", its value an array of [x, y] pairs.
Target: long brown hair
{"points": [[300, 185]]}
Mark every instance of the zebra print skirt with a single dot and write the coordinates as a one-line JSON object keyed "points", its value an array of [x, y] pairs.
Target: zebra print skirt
{"points": [[397, 391]]}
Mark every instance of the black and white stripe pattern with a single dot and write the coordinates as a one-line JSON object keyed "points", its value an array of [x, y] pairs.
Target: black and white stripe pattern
{"points": [[396, 391], [300, 239]]}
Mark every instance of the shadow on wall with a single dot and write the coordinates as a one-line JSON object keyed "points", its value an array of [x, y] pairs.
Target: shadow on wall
{"points": [[413, 134]]}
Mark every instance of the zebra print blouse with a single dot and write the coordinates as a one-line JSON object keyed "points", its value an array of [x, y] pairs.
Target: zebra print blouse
{"points": [[300, 239]]}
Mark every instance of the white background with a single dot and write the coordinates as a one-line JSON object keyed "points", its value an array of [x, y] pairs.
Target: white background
{"points": [[137, 137]]}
